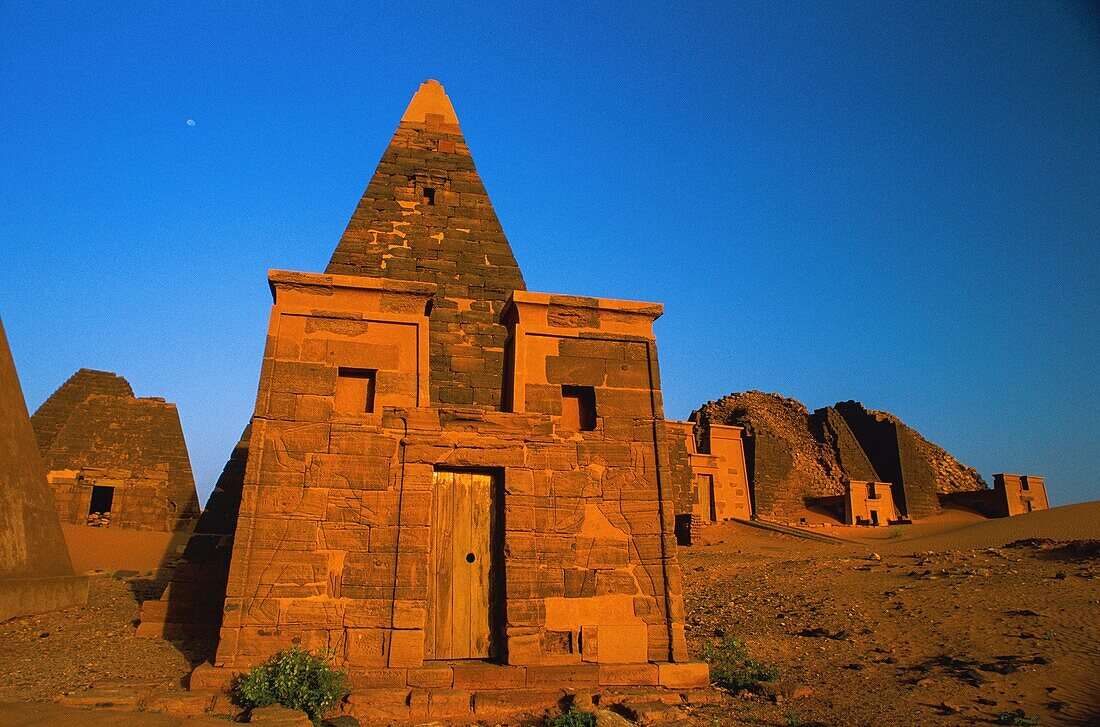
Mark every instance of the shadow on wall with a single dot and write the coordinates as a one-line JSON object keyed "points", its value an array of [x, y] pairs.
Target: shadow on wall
{"points": [[183, 603]]}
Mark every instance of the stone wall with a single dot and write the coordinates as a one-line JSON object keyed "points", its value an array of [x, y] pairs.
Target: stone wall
{"points": [[334, 541], [892, 449], [36, 573]]}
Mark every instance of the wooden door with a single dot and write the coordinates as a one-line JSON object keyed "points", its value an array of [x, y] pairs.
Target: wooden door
{"points": [[461, 526]]}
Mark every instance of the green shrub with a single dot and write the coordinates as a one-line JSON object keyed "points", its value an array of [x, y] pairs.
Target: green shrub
{"points": [[296, 679], [573, 718], [731, 667], [1017, 717]]}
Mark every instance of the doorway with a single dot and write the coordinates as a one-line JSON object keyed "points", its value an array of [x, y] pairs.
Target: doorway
{"points": [[466, 533], [102, 499]]}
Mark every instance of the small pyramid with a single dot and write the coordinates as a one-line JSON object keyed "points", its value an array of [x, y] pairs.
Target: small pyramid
{"points": [[426, 217]]}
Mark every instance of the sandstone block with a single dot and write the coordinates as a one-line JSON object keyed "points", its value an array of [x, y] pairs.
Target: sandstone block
{"points": [[688, 675], [477, 676]]}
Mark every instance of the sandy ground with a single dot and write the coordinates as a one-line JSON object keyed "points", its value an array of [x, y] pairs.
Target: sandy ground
{"points": [[934, 623], [931, 624]]}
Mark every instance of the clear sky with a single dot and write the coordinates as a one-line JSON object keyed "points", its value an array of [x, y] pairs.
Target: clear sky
{"points": [[891, 202]]}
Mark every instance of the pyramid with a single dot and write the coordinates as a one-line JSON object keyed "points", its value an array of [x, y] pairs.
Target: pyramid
{"points": [[426, 217], [93, 432], [452, 484], [36, 573]]}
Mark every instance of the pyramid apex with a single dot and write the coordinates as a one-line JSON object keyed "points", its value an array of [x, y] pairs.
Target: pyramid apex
{"points": [[430, 100]]}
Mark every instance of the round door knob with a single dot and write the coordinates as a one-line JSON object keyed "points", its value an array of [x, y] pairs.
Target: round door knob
{"points": [[470, 558]]}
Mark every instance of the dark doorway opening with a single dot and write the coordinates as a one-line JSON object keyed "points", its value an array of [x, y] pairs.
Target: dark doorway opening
{"points": [[102, 498]]}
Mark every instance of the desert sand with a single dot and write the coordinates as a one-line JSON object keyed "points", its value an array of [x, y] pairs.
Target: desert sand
{"points": [[953, 621]]}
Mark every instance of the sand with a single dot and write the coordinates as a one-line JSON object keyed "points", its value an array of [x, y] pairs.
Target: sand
{"points": [[929, 624]]}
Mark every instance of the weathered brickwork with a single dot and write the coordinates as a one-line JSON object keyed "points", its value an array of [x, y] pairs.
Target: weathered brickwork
{"points": [[56, 410], [444, 466], [36, 573], [892, 450], [718, 487], [797, 460], [1011, 495], [132, 447], [829, 426], [426, 217]]}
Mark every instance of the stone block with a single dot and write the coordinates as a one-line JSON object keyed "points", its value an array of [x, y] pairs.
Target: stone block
{"points": [[688, 675], [407, 648], [494, 704], [376, 678], [571, 675], [449, 704], [635, 675], [430, 677]]}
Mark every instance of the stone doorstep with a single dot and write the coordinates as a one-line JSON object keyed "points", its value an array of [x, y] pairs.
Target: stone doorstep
{"points": [[479, 675]]}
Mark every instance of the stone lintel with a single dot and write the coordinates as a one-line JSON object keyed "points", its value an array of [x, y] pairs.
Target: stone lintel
{"points": [[327, 284], [627, 316]]}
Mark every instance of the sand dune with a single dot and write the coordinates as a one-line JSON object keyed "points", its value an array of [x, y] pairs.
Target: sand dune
{"points": [[1069, 522]]}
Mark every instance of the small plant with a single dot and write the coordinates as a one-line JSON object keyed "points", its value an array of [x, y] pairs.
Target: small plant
{"points": [[573, 718], [793, 720], [731, 667], [296, 679], [1017, 717], [896, 532]]}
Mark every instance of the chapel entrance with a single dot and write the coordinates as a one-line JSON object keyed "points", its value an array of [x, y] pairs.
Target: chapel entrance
{"points": [[463, 523]]}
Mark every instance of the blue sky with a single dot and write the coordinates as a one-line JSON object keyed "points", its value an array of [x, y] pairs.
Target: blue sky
{"points": [[892, 202]]}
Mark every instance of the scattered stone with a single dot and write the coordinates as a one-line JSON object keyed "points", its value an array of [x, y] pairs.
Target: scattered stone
{"points": [[277, 715]]}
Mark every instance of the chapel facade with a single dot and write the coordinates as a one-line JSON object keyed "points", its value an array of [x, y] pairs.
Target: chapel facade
{"points": [[446, 469]]}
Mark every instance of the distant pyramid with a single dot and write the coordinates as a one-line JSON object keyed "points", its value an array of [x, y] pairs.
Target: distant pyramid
{"points": [[426, 216]]}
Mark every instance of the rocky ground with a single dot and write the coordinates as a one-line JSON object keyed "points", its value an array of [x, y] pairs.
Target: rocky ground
{"points": [[48, 655], [902, 636], [929, 625]]}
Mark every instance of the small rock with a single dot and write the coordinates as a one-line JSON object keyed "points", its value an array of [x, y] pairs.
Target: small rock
{"points": [[874, 556], [607, 718], [277, 715], [344, 720]]}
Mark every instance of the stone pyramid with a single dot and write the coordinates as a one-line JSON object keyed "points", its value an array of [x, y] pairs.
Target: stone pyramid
{"points": [[426, 217], [36, 573]]}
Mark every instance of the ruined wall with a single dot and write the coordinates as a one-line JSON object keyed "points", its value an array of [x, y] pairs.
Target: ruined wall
{"points": [[896, 455], [133, 445], [831, 428], [36, 573], [426, 217], [869, 503], [1019, 494], [786, 463], [795, 459]]}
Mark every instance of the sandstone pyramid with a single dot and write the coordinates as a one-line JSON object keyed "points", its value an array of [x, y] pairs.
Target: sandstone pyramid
{"points": [[426, 217], [36, 573]]}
